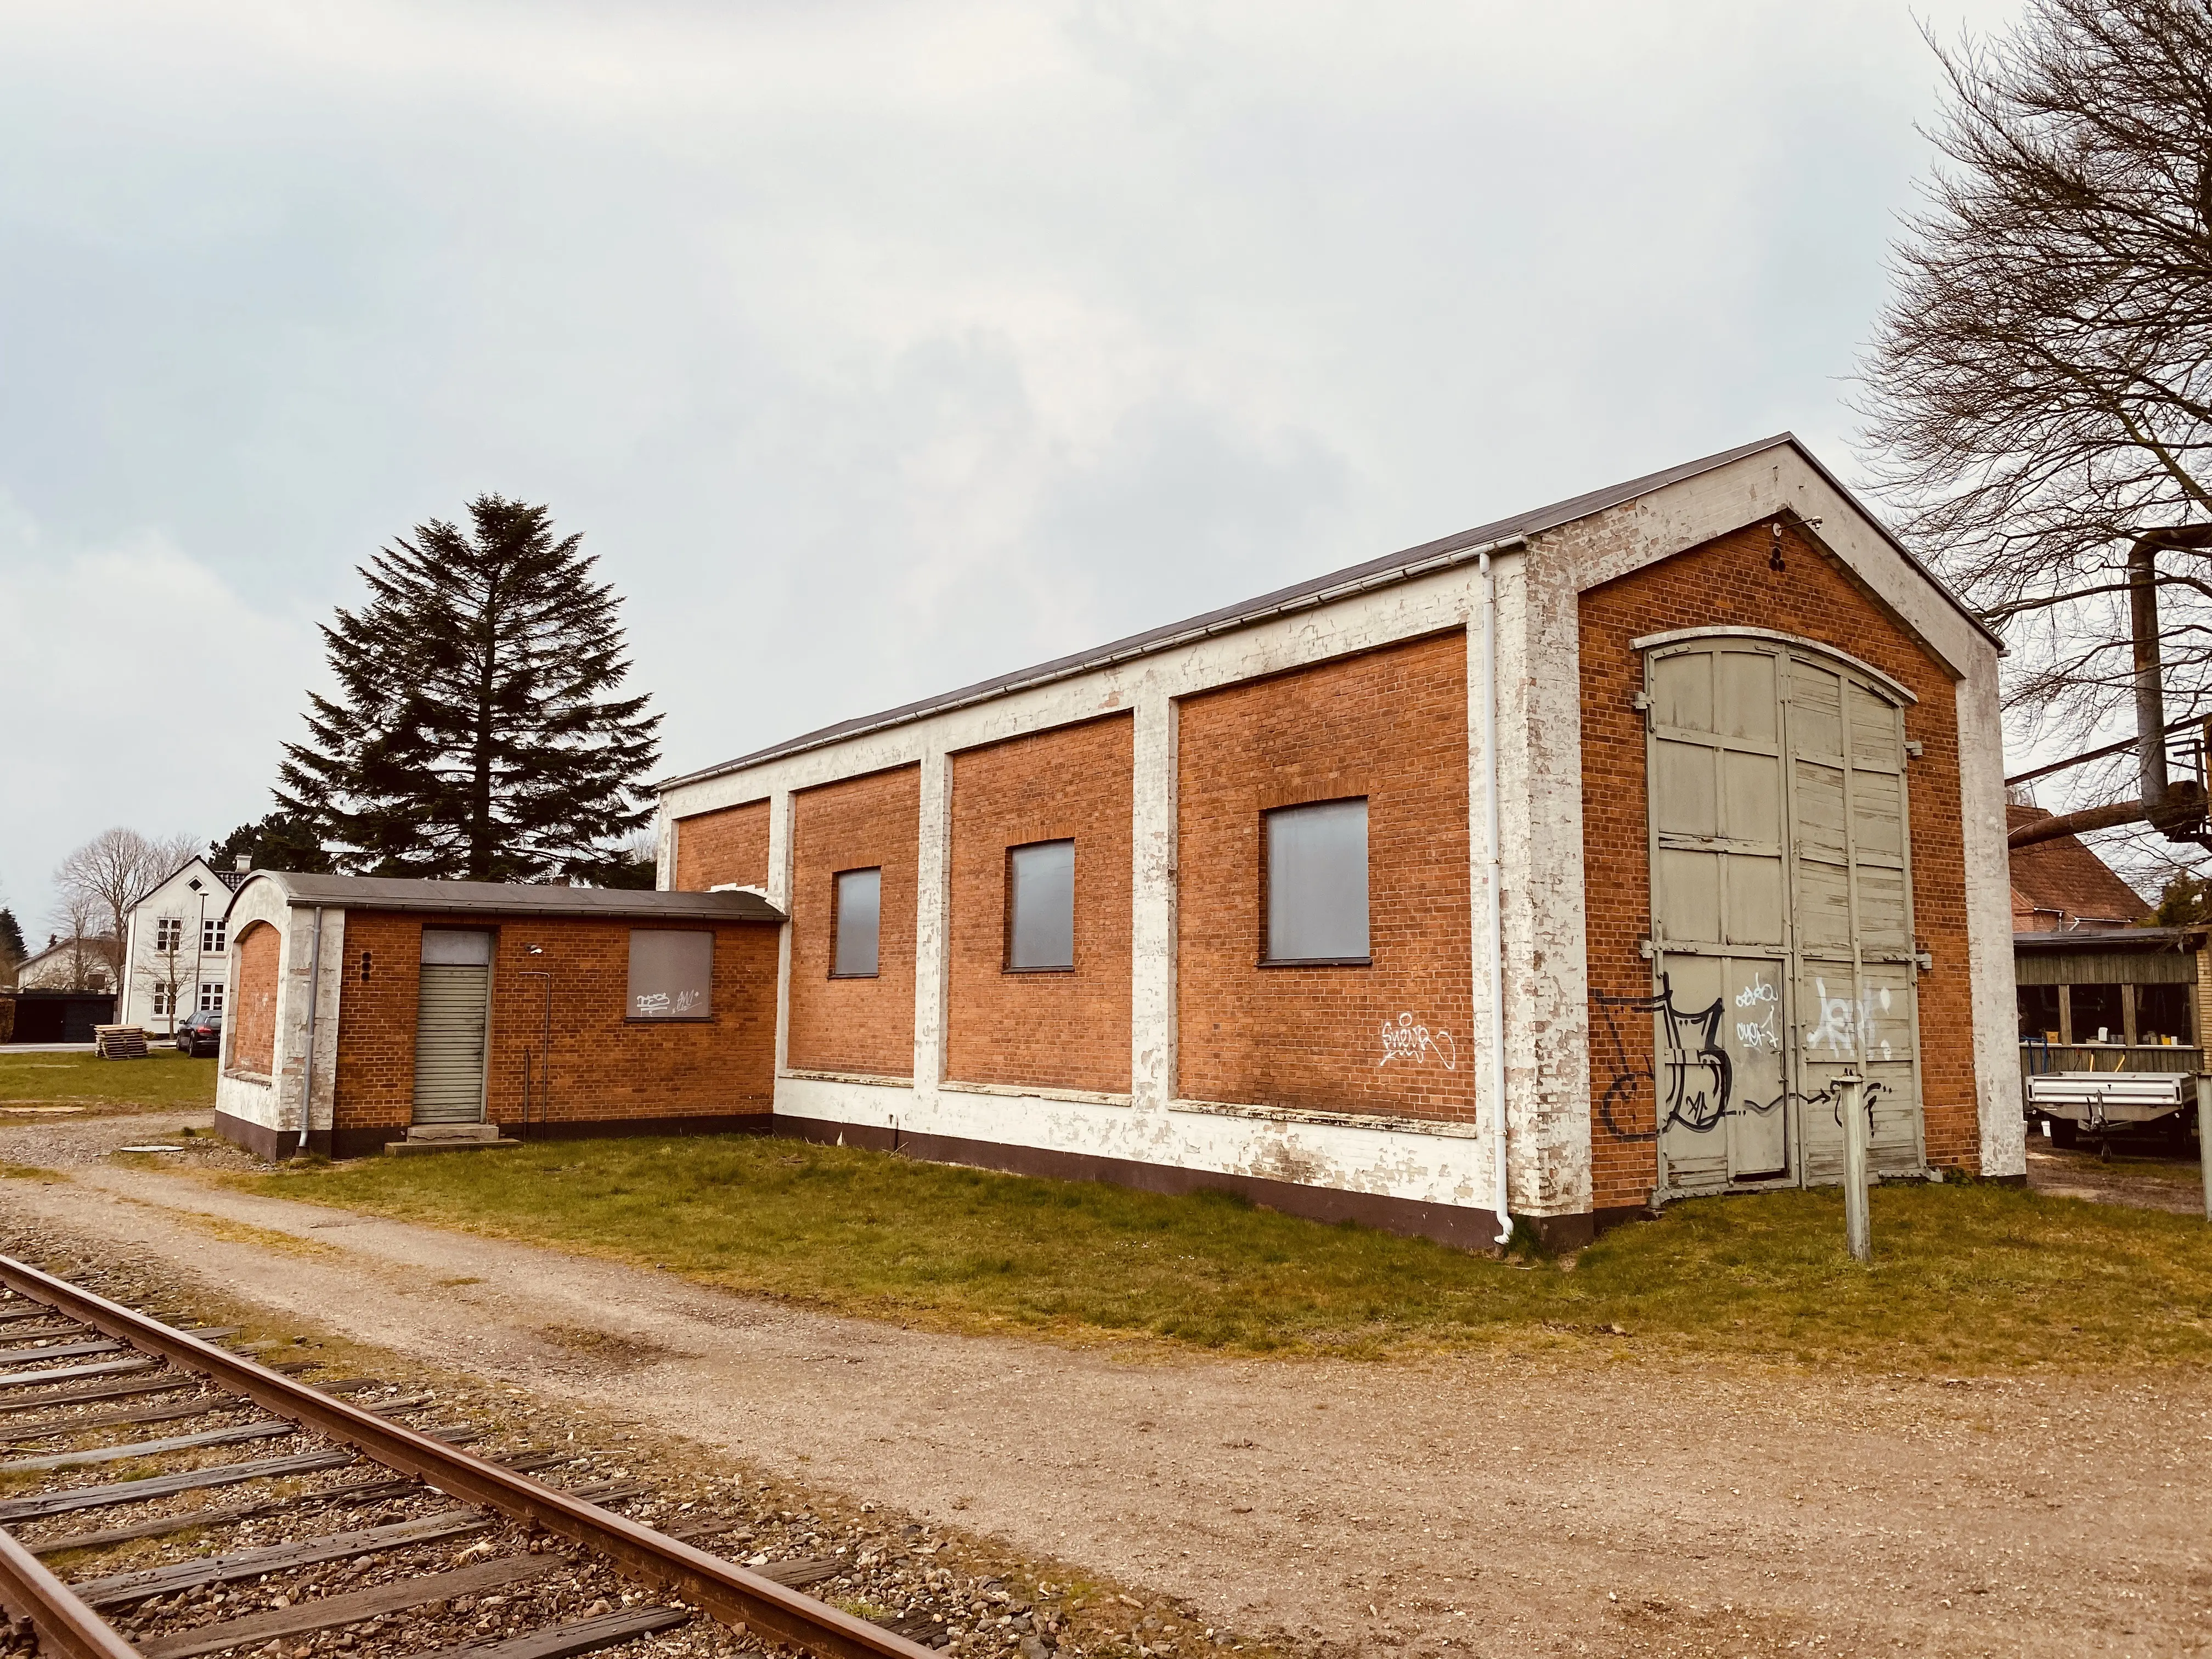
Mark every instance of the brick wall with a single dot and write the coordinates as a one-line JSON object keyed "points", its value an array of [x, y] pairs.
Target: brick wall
{"points": [[604, 1069], [253, 1018], [729, 847], [1390, 725], [1065, 1031], [860, 1025], [1729, 582]]}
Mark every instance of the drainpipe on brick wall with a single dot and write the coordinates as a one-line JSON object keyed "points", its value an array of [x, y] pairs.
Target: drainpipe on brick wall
{"points": [[1493, 870], [314, 996]]}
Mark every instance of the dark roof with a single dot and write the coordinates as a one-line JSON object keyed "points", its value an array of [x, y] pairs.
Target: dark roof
{"points": [[232, 879], [2061, 874], [1376, 573], [2110, 938], [493, 898]]}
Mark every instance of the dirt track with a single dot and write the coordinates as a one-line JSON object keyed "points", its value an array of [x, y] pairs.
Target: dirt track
{"points": [[1481, 1505]]}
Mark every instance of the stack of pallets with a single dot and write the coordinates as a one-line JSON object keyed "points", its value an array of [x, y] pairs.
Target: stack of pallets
{"points": [[118, 1042]]}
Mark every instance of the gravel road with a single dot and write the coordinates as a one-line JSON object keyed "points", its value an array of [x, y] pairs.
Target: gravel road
{"points": [[1476, 1504]]}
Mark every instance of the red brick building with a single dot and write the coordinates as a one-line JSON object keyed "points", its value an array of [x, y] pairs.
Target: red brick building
{"points": [[1560, 867], [2059, 885], [442, 1009]]}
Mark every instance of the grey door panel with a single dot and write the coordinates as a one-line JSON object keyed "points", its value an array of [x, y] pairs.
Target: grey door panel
{"points": [[1781, 915]]}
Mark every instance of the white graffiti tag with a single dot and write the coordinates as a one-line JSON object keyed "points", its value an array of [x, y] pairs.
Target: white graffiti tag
{"points": [[1844, 1026], [1763, 1033], [1404, 1040]]}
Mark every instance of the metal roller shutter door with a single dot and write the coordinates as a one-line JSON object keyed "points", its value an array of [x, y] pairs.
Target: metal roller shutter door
{"points": [[449, 1043]]}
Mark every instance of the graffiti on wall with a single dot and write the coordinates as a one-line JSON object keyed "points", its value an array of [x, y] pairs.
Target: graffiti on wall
{"points": [[1693, 1075], [1849, 1029], [1403, 1039]]}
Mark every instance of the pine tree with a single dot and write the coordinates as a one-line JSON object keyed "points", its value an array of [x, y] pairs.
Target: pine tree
{"points": [[473, 736], [278, 842], [11, 941]]}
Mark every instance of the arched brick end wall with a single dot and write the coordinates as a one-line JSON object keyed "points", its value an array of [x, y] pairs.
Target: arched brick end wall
{"points": [[253, 1016]]}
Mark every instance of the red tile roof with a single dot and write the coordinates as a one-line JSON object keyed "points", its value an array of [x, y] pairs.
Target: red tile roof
{"points": [[2058, 882]]}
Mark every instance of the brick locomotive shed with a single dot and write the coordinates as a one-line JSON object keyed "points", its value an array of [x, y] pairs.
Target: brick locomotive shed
{"points": [[429, 1009], [1213, 906]]}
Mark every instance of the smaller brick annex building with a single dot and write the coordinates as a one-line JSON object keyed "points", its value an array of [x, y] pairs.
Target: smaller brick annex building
{"points": [[364, 1010], [1557, 867]]}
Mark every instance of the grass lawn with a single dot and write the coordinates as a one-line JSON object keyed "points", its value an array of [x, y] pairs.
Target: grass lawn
{"points": [[1966, 1277], [164, 1078]]}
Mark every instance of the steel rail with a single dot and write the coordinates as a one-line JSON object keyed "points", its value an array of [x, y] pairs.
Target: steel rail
{"points": [[720, 1587], [64, 1625]]}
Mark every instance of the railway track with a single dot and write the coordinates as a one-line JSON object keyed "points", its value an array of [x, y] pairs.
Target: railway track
{"points": [[209, 1504]]}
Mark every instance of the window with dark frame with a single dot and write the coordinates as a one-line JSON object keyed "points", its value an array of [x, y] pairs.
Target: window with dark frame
{"points": [[2096, 1012], [168, 932], [1315, 881], [672, 975], [1041, 908], [211, 935], [857, 924], [2162, 1014]]}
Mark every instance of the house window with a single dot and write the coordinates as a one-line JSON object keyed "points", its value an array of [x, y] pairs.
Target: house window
{"points": [[211, 935], [168, 932], [1041, 908], [210, 996], [165, 1000], [858, 924], [1316, 882], [671, 974]]}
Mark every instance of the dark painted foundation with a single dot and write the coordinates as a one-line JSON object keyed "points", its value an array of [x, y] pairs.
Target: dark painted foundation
{"points": [[1447, 1223], [273, 1144]]}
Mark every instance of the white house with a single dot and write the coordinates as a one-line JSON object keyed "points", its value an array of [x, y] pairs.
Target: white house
{"points": [[174, 959], [67, 964]]}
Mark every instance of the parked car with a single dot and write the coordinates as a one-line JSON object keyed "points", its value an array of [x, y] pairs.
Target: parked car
{"points": [[200, 1034]]}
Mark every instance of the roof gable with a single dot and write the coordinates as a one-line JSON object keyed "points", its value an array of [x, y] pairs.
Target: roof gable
{"points": [[2063, 875], [1392, 568]]}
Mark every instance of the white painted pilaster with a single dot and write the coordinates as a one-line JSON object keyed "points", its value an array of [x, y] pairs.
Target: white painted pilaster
{"points": [[1487, 966], [1540, 822], [933, 908], [1982, 830], [779, 895], [1152, 899]]}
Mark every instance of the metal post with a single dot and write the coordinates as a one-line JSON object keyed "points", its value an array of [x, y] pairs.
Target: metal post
{"points": [[2204, 1137], [1858, 1230]]}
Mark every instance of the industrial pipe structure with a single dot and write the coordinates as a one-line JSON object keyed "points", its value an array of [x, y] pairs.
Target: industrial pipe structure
{"points": [[2176, 810]]}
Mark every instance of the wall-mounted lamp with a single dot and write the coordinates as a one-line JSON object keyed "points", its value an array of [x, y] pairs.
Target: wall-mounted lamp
{"points": [[533, 950]]}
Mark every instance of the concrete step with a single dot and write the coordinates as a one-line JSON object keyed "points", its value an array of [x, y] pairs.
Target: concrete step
{"points": [[412, 1148], [453, 1132]]}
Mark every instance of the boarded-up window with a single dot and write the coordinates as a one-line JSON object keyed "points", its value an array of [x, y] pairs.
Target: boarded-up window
{"points": [[671, 974], [1040, 907], [859, 923], [1318, 882]]}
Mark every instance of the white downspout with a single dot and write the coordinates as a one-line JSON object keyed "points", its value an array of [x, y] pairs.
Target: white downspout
{"points": [[314, 996], [1493, 871]]}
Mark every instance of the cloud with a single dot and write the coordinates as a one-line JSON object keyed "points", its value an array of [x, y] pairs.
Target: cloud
{"points": [[877, 348], [143, 691]]}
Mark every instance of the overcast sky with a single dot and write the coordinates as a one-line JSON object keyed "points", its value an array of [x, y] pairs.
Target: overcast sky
{"points": [[873, 349]]}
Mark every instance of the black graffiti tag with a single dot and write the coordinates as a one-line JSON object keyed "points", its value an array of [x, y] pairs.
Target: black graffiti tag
{"points": [[1700, 1076]]}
